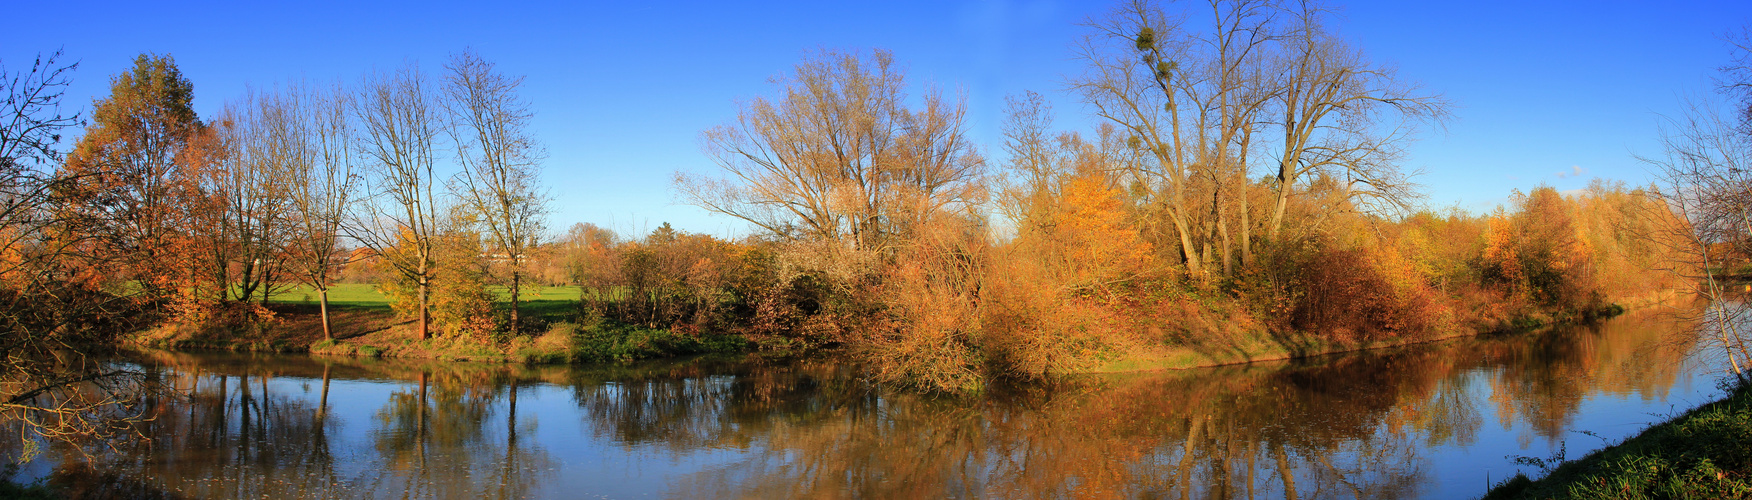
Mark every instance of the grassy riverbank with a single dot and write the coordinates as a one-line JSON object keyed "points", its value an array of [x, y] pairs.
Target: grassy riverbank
{"points": [[1704, 453], [364, 325]]}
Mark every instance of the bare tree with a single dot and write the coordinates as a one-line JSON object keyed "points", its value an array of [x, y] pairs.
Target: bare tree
{"points": [[29, 150], [1032, 163], [1187, 97], [31, 133], [399, 133], [320, 188], [1196, 92], [1343, 116], [263, 135], [1707, 172], [500, 162], [839, 156], [1736, 76]]}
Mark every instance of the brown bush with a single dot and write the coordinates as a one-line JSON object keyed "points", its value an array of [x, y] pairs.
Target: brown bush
{"points": [[929, 333], [1351, 296]]}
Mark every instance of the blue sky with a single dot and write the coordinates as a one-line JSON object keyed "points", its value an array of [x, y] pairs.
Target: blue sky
{"points": [[1553, 93]]}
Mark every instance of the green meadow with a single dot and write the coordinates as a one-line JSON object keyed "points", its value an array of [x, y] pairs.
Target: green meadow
{"points": [[549, 303]]}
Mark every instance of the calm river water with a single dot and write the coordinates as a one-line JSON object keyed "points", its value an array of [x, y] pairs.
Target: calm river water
{"points": [[1434, 421]]}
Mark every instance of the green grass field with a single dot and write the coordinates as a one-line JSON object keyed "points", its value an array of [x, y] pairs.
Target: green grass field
{"points": [[340, 294], [550, 303], [547, 303]]}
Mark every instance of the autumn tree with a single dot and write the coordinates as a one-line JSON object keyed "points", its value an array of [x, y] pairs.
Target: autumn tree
{"points": [[459, 302], [132, 166], [583, 254], [500, 162], [400, 125], [1068, 203], [1077, 248], [875, 192]]}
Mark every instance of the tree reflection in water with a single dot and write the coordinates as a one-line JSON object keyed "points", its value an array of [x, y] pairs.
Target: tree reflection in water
{"points": [[1354, 426], [1371, 425], [234, 436]]}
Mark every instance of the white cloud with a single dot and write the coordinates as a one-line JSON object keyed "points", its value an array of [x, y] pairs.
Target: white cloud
{"points": [[1574, 171]]}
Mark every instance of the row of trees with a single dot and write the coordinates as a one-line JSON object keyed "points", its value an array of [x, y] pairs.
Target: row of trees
{"points": [[1241, 188], [877, 234], [206, 215], [157, 214]]}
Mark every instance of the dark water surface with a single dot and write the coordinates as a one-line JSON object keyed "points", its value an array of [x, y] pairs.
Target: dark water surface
{"points": [[1435, 421]]}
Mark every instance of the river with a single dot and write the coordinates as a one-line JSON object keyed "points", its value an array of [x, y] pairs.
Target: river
{"points": [[1431, 421]]}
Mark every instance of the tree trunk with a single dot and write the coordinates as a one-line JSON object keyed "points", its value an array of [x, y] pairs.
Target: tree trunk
{"points": [[1187, 249], [516, 282], [420, 423], [327, 331], [322, 404], [1193, 435], [1286, 177], [511, 419], [266, 281], [1228, 246], [1246, 218], [425, 308], [1285, 473]]}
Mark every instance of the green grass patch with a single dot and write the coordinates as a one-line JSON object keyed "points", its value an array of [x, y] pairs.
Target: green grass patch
{"points": [[607, 342], [340, 295], [545, 304], [1705, 453]]}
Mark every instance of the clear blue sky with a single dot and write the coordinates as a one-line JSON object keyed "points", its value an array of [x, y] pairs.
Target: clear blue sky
{"points": [[623, 89]]}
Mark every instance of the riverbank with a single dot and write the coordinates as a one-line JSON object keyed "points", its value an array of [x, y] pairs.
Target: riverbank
{"points": [[378, 333], [1273, 346], [1704, 453]]}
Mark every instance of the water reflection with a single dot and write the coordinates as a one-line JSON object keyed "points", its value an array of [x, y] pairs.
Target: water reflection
{"points": [[1402, 424]]}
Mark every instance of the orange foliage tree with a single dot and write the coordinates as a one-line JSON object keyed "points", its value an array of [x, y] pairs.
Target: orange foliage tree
{"points": [[1539, 252], [136, 180]]}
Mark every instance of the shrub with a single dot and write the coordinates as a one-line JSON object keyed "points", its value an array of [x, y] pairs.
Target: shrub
{"points": [[612, 342], [461, 305], [1351, 296]]}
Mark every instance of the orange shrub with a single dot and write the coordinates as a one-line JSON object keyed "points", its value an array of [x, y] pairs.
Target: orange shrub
{"points": [[1357, 296]]}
